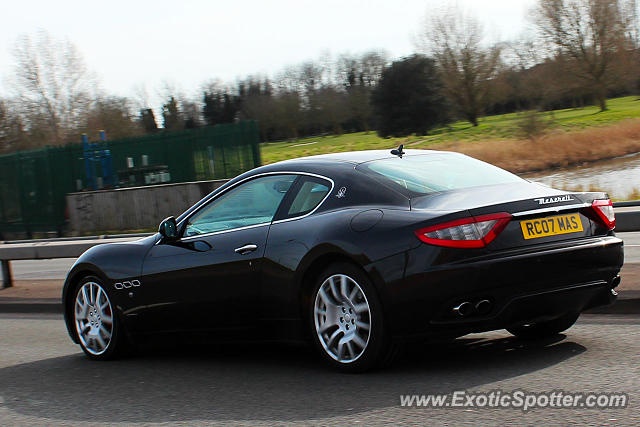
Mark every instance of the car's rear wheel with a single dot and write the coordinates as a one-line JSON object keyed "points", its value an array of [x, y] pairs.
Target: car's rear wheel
{"points": [[347, 322], [545, 329], [97, 326]]}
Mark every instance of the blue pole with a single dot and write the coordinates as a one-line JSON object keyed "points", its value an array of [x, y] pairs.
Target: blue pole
{"points": [[88, 167], [107, 163], [106, 167]]}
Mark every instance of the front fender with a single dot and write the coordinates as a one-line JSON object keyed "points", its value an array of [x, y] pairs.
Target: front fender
{"points": [[111, 262]]}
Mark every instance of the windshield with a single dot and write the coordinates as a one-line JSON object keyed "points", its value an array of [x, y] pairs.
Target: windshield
{"points": [[433, 173]]}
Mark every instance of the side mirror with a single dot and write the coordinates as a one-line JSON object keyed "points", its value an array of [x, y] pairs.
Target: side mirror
{"points": [[168, 229]]}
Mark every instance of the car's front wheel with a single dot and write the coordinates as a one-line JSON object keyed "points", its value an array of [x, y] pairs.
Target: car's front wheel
{"points": [[545, 329], [347, 322], [98, 328]]}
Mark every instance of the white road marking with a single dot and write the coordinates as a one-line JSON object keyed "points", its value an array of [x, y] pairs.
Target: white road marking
{"points": [[306, 143]]}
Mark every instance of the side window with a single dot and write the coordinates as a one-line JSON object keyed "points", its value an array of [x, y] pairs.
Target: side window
{"points": [[251, 203], [311, 193]]}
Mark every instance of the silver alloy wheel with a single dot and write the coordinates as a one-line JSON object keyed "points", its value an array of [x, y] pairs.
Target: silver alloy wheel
{"points": [[342, 318], [94, 318]]}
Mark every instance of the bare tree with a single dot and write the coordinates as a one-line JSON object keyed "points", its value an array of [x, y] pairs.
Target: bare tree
{"points": [[593, 33], [52, 84], [359, 75], [289, 114], [140, 97], [523, 52], [288, 80], [191, 113], [373, 64], [12, 134], [311, 76], [455, 41], [115, 115]]}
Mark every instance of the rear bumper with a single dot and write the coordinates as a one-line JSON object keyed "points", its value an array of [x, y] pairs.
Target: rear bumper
{"points": [[530, 308], [521, 286]]}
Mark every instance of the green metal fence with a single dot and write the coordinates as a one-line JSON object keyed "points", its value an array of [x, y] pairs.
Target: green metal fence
{"points": [[33, 184]]}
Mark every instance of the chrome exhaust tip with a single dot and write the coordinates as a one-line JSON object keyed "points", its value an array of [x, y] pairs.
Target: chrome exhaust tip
{"points": [[464, 309], [616, 281], [483, 306]]}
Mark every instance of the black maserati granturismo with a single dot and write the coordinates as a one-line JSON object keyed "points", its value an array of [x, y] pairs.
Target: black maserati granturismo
{"points": [[358, 253]]}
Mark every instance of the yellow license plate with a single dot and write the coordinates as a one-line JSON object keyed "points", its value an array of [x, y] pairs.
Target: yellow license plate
{"points": [[551, 226]]}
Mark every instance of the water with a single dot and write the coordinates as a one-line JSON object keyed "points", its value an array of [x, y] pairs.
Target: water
{"points": [[618, 177]]}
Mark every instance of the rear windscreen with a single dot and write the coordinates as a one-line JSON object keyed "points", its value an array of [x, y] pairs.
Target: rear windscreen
{"points": [[433, 173]]}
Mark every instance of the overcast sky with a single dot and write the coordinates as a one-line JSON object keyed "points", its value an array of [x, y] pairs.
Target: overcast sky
{"points": [[187, 42]]}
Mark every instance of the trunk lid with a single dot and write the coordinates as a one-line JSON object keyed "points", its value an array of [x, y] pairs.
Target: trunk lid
{"points": [[540, 214]]}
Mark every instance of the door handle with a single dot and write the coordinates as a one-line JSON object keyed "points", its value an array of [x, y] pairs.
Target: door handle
{"points": [[246, 249]]}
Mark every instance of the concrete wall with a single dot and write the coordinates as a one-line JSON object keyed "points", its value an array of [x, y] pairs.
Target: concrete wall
{"points": [[133, 208]]}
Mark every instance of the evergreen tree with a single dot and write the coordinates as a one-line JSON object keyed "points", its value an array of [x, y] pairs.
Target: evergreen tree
{"points": [[409, 98], [212, 110], [171, 116], [228, 109], [148, 120]]}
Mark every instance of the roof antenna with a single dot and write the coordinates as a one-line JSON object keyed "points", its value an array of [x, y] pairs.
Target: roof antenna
{"points": [[398, 152]]}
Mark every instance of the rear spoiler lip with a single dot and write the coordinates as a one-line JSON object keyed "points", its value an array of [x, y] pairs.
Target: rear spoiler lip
{"points": [[583, 199], [552, 209]]}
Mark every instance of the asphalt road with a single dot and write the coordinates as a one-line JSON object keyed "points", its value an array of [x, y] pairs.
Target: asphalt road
{"points": [[58, 268], [37, 269], [44, 379], [631, 246]]}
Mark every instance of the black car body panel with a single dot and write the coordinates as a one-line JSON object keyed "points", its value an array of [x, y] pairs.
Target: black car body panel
{"points": [[432, 291], [111, 262], [201, 283]]}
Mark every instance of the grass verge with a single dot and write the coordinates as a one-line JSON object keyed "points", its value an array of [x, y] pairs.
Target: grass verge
{"points": [[576, 135], [558, 149]]}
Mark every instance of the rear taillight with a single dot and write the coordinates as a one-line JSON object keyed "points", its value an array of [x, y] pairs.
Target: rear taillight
{"points": [[473, 232], [604, 210]]}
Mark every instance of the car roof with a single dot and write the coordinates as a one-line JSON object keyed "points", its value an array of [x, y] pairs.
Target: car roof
{"points": [[357, 157], [331, 165]]}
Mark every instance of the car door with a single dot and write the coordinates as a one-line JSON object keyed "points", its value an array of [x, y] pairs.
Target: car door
{"points": [[291, 236], [209, 278]]}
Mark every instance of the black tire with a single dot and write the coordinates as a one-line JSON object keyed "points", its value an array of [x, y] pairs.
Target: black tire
{"points": [[378, 350], [545, 329], [117, 343]]}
